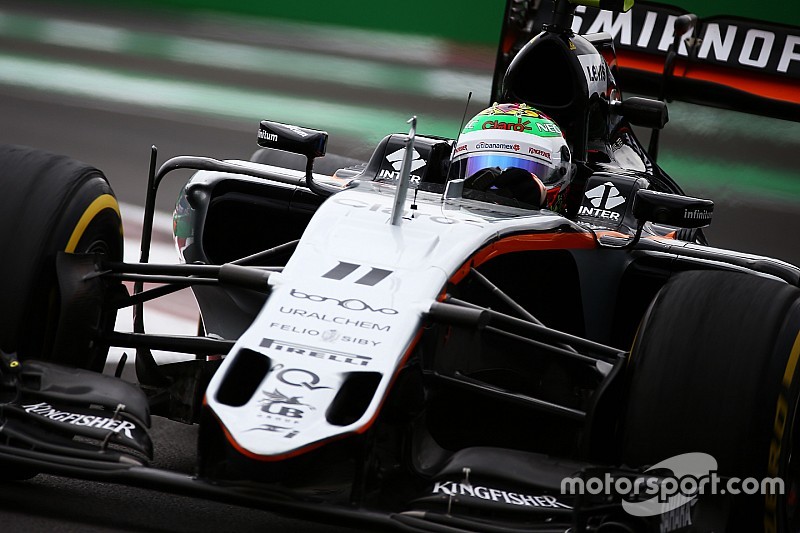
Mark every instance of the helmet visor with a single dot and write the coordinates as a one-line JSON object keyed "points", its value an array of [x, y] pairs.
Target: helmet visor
{"points": [[470, 165]]}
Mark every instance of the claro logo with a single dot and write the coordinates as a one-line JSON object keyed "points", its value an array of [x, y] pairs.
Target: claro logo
{"points": [[519, 125]]}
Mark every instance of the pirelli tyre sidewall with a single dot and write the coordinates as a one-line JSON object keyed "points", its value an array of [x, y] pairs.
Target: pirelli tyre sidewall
{"points": [[48, 204], [714, 369]]}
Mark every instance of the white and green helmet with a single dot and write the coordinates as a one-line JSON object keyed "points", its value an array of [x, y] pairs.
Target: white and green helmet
{"points": [[518, 136]]}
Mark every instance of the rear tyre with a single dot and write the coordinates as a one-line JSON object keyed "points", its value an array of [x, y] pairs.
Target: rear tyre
{"points": [[48, 204], [714, 370]]}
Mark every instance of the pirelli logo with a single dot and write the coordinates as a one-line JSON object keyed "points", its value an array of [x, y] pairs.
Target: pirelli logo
{"points": [[310, 351]]}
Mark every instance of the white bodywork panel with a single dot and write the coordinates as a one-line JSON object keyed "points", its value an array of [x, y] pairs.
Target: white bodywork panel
{"points": [[350, 299]]}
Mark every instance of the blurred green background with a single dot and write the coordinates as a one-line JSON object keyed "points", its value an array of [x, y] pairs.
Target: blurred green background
{"points": [[470, 21], [354, 72]]}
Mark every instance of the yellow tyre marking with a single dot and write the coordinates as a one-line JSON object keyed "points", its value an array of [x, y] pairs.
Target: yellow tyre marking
{"points": [[792, 363], [778, 430], [100, 203]]}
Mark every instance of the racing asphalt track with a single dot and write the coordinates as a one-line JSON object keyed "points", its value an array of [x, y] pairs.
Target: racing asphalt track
{"points": [[114, 131]]}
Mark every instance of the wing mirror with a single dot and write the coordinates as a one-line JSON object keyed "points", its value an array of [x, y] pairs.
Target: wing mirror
{"points": [[643, 112], [668, 209], [297, 140], [672, 209], [289, 138]]}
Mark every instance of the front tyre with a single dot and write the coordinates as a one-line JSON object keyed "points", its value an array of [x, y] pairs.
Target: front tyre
{"points": [[48, 204], [714, 369]]}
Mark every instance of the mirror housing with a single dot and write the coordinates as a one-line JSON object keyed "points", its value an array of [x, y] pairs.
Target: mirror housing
{"points": [[643, 112], [672, 209], [297, 140], [294, 139]]}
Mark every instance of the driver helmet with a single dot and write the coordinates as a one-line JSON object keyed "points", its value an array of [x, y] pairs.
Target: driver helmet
{"points": [[515, 151]]}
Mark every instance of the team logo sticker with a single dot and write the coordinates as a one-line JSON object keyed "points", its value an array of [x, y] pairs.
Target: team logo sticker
{"points": [[603, 202]]}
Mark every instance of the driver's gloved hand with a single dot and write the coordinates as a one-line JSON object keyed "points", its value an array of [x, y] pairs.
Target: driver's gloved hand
{"points": [[512, 182], [483, 179], [521, 185]]}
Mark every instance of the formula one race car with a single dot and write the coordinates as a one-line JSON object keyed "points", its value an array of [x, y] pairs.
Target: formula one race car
{"points": [[443, 338]]}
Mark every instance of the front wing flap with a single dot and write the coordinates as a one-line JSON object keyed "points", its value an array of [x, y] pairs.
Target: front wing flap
{"points": [[74, 412], [455, 501]]}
